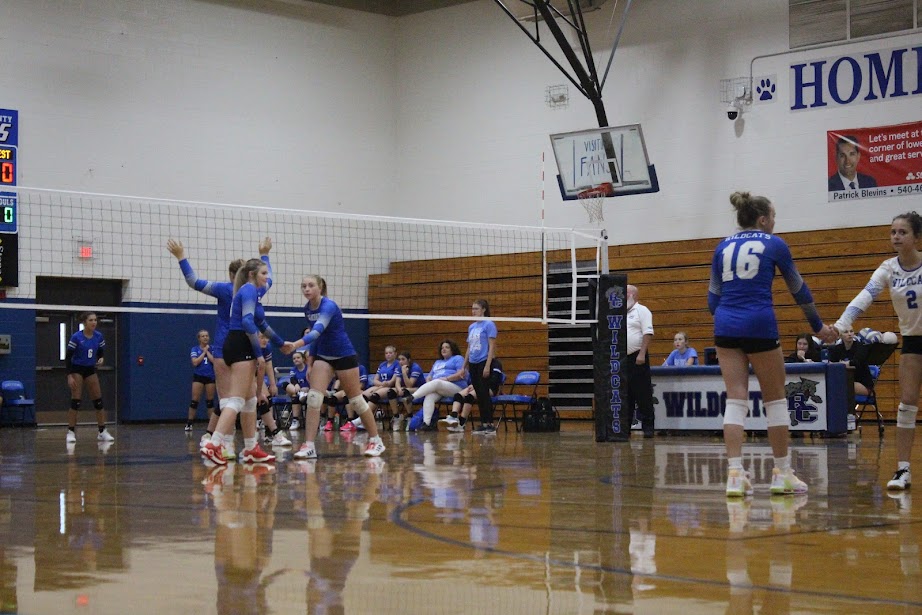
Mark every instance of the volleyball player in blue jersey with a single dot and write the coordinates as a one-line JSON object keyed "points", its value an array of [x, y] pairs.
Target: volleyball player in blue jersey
{"points": [[902, 277], [297, 382], [268, 388], [202, 376], [332, 351], [244, 356], [746, 332], [223, 292], [85, 351]]}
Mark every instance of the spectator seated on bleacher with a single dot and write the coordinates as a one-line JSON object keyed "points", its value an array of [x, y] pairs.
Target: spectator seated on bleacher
{"points": [[805, 351], [849, 350], [447, 377], [464, 401], [381, 390], [410, 377], [297, 382], [683, 355]]}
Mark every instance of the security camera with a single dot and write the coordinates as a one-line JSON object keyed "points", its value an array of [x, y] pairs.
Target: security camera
{"points": [[733, 111]]}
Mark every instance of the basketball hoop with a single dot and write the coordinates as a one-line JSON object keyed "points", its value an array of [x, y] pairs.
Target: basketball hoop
{"points": [[592, 199]]}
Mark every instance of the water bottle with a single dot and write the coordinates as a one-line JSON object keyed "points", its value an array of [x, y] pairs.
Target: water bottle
{"points": [[824, 354], [336, 421]]}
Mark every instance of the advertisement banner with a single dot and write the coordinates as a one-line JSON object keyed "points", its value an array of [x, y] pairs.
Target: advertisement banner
{"points": [[696, 401], [875, 162]]}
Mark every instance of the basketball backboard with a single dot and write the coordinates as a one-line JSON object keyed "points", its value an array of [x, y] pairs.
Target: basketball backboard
{"points": [[613, 159]]}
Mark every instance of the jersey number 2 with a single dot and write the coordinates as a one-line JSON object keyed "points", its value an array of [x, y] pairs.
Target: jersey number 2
{"points": [[747, 260], [911, 300]]}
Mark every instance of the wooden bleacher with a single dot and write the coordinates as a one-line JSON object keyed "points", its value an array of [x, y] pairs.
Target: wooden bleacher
{"points": [[672, 278]]}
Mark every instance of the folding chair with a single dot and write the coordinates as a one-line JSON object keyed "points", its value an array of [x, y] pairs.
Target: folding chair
{"points": [[877, 354], [514, 399], [17, 409], [281, 410]]}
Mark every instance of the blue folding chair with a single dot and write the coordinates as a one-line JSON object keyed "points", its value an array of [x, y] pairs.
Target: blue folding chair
{"points": [[516, 398], [863, 401], [17, 408]]}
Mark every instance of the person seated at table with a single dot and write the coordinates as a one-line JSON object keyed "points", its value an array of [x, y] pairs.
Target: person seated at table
{"points": [[683, 355], [849, 350], [806, 350]]}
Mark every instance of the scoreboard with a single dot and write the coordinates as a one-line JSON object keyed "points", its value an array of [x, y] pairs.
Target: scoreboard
{"points": [[9, 199]]}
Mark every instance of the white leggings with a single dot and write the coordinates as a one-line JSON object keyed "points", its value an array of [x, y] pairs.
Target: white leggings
{"points": [[433, 391]]}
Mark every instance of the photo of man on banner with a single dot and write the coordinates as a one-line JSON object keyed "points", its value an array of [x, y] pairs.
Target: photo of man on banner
{"points": [[874, 162], [848, 155]]}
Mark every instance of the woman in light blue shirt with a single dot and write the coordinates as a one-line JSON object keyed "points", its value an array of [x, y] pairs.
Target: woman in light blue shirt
{"points": [[446, 378], [683, 355]]}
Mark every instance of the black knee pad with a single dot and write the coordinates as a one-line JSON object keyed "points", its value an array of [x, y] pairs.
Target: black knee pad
{"points": [[391, 394], [75, 404], [97, 403], [374, 398], [458, 398], [193, 404], [470, 398], [263, 407], [209, 403], [330, 400]]}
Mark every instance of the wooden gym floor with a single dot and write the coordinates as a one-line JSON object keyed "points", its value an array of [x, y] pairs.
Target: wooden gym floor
{"points": [[450, 523]]}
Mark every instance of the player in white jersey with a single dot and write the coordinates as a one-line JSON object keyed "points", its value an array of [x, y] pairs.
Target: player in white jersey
{"points": [[902, 275]]}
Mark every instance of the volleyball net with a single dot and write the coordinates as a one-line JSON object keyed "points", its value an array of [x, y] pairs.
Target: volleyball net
{"points": [[115, 237]]}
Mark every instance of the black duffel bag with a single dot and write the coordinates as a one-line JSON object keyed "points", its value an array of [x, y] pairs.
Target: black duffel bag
{"points": [[542, 416]]}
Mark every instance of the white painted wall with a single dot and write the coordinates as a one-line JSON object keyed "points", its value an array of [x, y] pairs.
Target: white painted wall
{"points": [[201, 100], [473, 122], [438, 115]]}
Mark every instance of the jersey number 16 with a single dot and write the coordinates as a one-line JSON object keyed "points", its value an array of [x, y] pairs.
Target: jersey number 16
{"points": [[747, 260]]}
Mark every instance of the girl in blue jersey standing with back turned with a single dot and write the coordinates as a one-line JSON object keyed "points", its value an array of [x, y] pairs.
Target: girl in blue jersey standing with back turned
{"points": [[332, 351], [223, 292], [84, 353], [244, 357], [746, 332]]}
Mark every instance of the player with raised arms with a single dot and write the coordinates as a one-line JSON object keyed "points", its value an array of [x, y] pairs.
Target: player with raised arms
{"points": [[243, 355], [902, 275], [223, 292], [746, 332], [332, 351]]}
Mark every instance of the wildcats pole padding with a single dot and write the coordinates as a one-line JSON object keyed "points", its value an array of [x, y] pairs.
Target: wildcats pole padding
{"points": [[612, 415]]}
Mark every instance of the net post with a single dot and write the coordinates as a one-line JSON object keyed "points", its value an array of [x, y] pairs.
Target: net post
{"points": [[603, 247], [544, 276], [612, 413]]}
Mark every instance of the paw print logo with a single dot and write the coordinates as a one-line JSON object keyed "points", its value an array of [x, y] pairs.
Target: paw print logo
{"points": [[766, 89]]}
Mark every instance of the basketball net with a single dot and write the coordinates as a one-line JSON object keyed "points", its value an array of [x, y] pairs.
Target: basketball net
{"points": [[592, 199]]}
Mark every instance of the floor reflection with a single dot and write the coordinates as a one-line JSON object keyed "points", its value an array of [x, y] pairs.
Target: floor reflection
{"points": [[519, 523]]}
